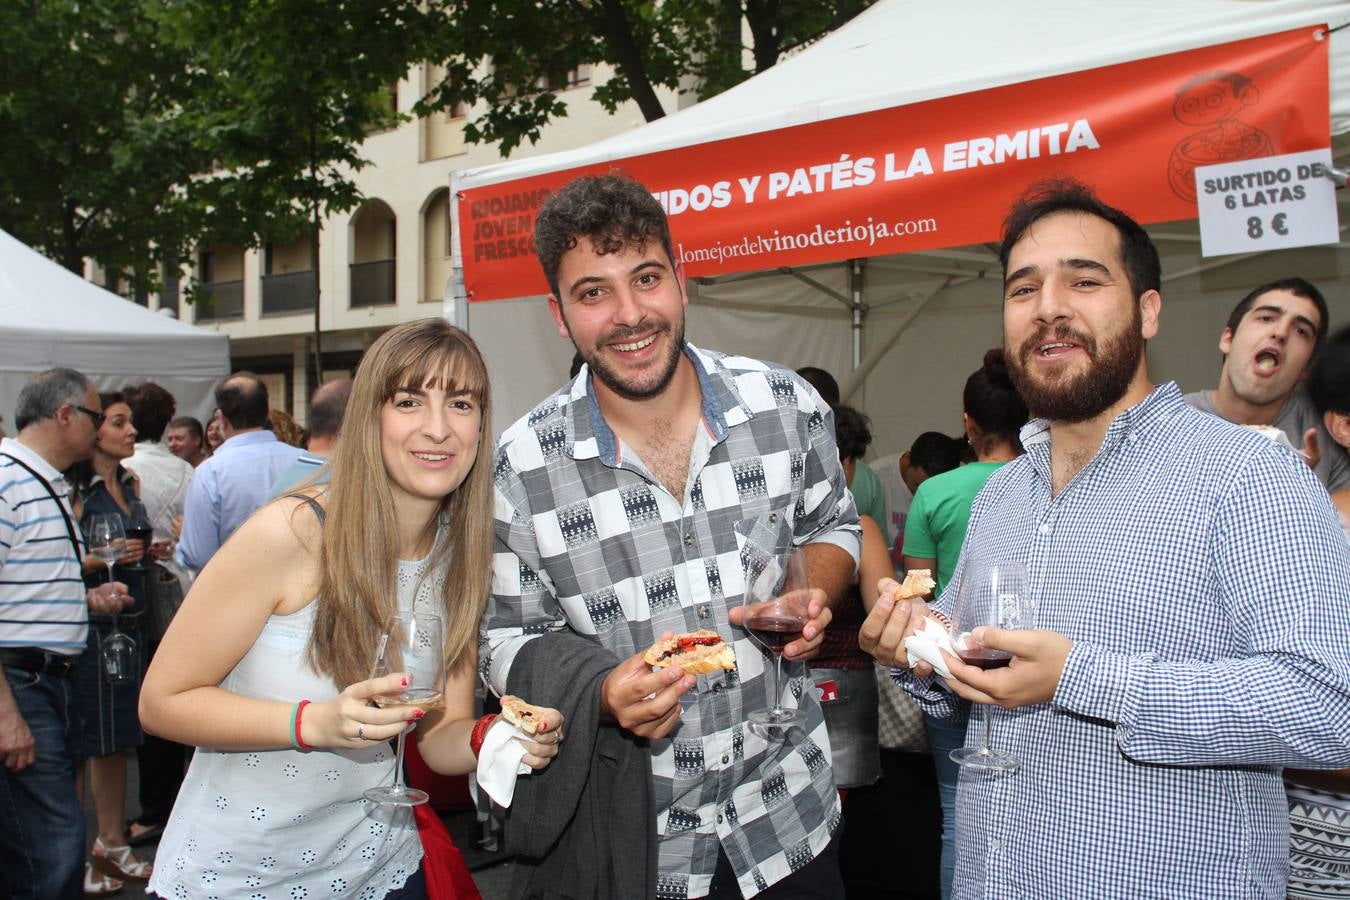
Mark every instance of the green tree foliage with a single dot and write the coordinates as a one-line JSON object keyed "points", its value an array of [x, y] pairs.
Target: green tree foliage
{"points": [[511, 54], [95, 151], [290, 90]]}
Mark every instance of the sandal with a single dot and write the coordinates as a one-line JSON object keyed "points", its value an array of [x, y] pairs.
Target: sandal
{"points": [[119, 862], [97, 884]]}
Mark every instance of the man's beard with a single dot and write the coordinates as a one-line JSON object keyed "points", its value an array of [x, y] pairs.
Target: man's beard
{"points": [[1067, 398], [630, 390]]}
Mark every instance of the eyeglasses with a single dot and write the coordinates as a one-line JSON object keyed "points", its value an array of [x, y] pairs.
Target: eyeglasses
{"points": [[98, 418]]}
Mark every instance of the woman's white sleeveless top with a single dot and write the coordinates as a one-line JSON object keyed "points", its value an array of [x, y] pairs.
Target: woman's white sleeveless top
{"points": [[286, 825]]}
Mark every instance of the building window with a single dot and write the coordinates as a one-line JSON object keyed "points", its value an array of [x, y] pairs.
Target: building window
{"points": [[374, 255]]}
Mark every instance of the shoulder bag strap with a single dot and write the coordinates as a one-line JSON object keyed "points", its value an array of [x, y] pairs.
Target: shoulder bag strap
{"points": [[70, 526]]}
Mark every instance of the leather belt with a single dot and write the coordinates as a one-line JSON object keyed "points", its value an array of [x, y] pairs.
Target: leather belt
{"points": [[39, 662]]}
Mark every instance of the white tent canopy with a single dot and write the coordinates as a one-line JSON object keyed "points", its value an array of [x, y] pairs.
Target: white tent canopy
{"points": [[925, 318], [49, 316]]}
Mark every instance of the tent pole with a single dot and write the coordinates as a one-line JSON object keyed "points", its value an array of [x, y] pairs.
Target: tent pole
{"points": [[856, 270], [455, 299]]}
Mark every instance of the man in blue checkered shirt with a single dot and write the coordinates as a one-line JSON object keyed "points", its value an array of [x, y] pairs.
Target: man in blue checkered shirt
{"points": [[624, 504], [1193, 603]]}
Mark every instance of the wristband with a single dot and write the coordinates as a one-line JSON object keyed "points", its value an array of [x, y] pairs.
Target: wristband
{"points": [[479, 733], [296, 740]]}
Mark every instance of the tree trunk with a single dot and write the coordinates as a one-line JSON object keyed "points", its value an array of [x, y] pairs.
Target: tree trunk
{"points": [[629, 58], [762, 16], [314, 254]]}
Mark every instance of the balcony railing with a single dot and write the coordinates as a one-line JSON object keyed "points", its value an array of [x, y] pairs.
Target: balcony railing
{"points": [[373, 283], [219, 301], [293, 292]]}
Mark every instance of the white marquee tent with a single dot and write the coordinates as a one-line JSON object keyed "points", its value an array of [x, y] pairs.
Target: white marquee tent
{"points": [[51, 317], [903, 332]]}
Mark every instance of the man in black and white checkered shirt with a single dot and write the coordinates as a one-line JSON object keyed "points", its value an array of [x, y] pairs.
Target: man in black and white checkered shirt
{"points": [[625, 504]]}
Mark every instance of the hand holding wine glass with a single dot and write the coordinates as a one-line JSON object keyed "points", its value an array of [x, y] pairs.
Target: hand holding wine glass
{"points": [[992, 593], [414, 645], [777, 603]]}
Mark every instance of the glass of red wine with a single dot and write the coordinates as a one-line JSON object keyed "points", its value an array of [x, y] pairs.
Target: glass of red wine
{"points": [[776, 610], [141, 530], [993, 593]]}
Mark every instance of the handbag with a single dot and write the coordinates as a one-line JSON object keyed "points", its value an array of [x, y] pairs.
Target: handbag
{"points": [[900, 720], [163, 596]]}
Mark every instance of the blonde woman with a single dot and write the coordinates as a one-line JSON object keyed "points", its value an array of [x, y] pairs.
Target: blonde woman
{"points": [[290, 609]]}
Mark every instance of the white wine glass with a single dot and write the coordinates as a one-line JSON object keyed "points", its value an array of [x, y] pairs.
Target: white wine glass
{"points": [[117, 652], [776, 601], [996, 594], [415, 644]]}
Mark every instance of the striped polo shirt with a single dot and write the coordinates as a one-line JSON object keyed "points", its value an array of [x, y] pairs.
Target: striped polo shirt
{"points": [[42, 597]]}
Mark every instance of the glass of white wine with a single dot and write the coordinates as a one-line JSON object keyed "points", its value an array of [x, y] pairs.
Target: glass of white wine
{"points": [[117, 652], [415, 644]]}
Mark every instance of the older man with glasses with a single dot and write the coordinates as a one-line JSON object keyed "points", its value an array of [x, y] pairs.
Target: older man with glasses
{"points": [[44, 616]]}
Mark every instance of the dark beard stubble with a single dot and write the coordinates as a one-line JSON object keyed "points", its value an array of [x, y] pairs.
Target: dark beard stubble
{"points": [[1067, 398]]}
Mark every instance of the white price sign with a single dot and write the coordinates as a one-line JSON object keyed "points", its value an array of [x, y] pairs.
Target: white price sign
{"points": [[1267, 204]]}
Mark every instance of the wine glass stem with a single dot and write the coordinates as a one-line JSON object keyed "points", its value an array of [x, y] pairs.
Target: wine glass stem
{"points": [[777, 681], [114, 615], [398, 763], [987, 745]]}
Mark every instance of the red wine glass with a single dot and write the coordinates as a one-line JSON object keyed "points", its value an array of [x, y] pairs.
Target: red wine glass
{"points": [[993, 593], [776, 610]]}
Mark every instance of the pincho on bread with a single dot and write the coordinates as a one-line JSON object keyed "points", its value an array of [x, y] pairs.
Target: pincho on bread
{"points": [[521, 714], [917, 583], [698, 653]]}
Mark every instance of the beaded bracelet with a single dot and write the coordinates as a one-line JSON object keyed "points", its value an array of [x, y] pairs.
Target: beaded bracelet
{"points": [[479, 733], [296, 714]]}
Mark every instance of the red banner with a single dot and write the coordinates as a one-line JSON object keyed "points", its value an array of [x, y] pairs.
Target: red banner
{"points": [[941, 173]]}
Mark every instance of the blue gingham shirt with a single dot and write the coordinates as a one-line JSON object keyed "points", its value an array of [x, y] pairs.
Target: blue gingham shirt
{"points": [[588, 539], [1199, 571]]}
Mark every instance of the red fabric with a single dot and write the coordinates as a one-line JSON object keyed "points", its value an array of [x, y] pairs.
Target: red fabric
{"points": [[447, 791], [447, 876]]}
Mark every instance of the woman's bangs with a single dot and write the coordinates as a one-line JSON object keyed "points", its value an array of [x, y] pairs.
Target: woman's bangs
{"points": [[438, 367]]}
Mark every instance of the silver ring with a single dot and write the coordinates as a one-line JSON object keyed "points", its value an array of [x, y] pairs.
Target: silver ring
{"points": [[360, 732]]}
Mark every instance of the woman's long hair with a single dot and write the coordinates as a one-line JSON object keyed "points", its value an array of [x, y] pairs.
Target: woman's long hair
{"points": [[358, 558]]}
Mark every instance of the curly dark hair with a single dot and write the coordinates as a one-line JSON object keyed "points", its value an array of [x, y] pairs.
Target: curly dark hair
{"points": [[1138, 255], [613, 210], [852, 432], [993, 402], [152, 408]]}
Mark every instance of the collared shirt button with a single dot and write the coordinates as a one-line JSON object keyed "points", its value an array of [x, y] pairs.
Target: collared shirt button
{"points": [[995, 844], [719, 818], [689, 539], [717, 688], [703, 612], [1045, 528], [773, 518], [726, 758]]}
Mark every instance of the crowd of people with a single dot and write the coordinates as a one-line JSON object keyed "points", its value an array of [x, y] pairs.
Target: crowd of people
{"points": [[1180, 709]]}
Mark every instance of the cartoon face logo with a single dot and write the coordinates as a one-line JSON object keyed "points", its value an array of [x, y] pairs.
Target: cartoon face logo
{"points": [[1214, 97], [1211, 101]]}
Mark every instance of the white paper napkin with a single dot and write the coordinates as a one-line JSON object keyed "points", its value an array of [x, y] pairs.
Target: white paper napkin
{"points": [[925, 645], [499, 761]]}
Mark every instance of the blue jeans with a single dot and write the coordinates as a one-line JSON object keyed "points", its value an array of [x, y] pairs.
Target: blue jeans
{"points": [[944, 736], [41, 821]]}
